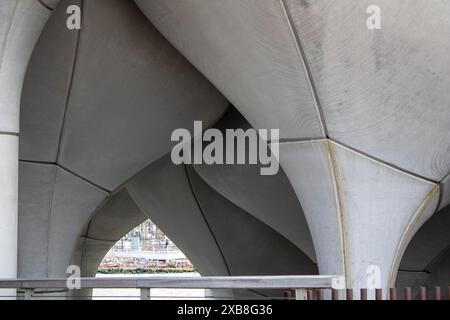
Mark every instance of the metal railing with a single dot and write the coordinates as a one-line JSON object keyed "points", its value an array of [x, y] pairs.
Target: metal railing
{"points": [[300, 284]]}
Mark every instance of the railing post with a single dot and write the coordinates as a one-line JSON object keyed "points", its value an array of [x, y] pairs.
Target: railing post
{"points": [[393, 294], [334, 294], [378, 294], [301, 294], [423, 293], [349, 294], [320, 294], [408, 293], [437, 293], [363, 294], [146, 294]]}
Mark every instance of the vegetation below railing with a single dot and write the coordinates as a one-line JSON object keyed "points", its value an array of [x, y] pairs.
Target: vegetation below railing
{"points": [[144, 270]]}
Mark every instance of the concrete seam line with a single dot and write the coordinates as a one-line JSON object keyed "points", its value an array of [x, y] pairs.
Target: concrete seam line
{"points": [[108, 192], [441, 194], [296, 140], [382, 162], [358, 152], [41, 2], [191, 187], [44, 163], [305, 65], [98, 239], [446, 177], [339, 198], [71, 81], [49, 217], [7, 133], [414, 271]]}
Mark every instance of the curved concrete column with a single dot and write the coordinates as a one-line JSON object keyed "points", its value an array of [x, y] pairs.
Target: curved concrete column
{"points": [[163, 193], [271, 199], [383, 92], [98, 105], [249, 246], [361, 212], [336, 79], [109, 224], [108, 112], [54, 207], [8, 202], [248, 51], [21, 22], [217, 236]]}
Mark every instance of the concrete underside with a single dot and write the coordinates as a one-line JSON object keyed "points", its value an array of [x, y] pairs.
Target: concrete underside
{"points": [[363, 117]]}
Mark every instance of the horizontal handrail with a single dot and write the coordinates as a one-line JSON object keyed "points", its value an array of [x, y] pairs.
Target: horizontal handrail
{"points": [[241, 282]]}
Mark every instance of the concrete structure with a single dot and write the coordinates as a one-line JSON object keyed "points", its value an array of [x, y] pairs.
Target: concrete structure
{"points": [[363, 117]]}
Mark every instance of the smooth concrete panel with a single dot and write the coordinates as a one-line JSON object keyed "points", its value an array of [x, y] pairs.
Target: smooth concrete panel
{"points": [[8, 203], [383, 92], [428, 243], [92, 255], [74, 201], [360, 212], [248, 51], [381, 208], [37, 183], [54, 207], [88, 255], [116, 218], [308, 167], [270, 199], [249, 246], [143, 90], [47, 83], [110, 223], [21, 22], [163, 193]]}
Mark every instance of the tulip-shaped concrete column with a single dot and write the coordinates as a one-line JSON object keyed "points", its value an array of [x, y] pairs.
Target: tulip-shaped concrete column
{"points": [[362, 113], [21, 22], [362, 213]]}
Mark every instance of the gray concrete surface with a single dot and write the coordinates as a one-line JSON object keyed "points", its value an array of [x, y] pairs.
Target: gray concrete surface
{"points": [[363, 117], [96, 138], [355, 85]]}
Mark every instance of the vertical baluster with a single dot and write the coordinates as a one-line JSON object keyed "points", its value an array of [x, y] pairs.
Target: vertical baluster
{"points": [[320, 294], [437, 293], [349, 294], [393, 294], [423, 293], [334, 294], [363, 294], [408, 294], [378, 294]]}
